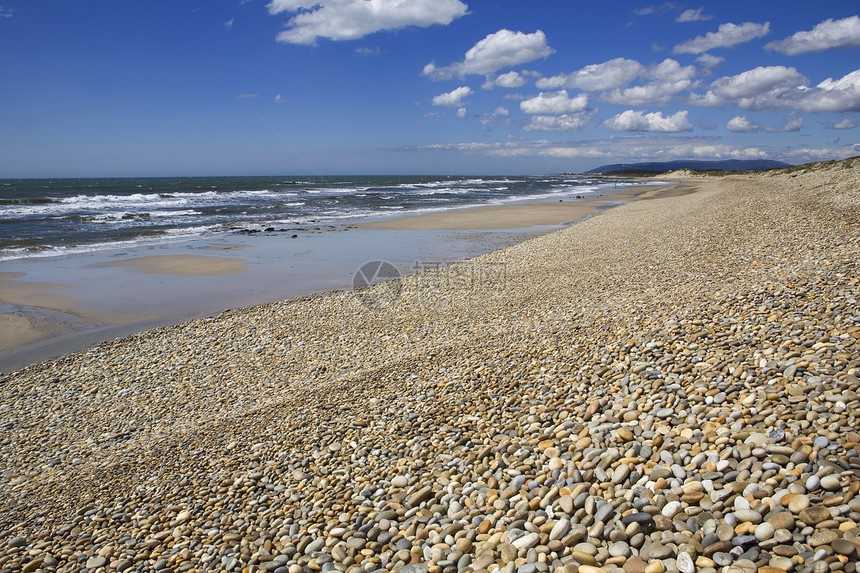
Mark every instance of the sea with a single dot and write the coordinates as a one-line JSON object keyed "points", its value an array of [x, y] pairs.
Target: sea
{"points": [[51, 217]]}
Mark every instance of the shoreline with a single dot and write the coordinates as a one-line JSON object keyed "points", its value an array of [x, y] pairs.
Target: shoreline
{"points": [[74, 318], [632, 391]]}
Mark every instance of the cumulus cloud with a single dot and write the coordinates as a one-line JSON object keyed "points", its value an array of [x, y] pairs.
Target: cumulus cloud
{"points": [[499, 50], [508, 80], [554, 103], [792, 123], [454, 98], [744, 88], [740, 124], [461, 112], [669, 80], [726, 36], [696, 15], [781, 88], [353, 19], [596, 77], [565, 122], [847, 123], [632, 120], [825, 36]]}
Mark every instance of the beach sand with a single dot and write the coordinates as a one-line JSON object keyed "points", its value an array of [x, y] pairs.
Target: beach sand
{"points": [[179, 265], [96, 312], [669, 384]]}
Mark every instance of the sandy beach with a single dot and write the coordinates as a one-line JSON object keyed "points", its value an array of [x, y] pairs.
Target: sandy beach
{"points": [[666, 386], [52, 307]]}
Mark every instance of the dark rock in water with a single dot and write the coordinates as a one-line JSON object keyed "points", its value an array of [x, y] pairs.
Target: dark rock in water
{"points": [[270, 229], [294, 237]]}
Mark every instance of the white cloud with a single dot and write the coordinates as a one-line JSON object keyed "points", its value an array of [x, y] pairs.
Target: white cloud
{"points": [[825, 36], [453, 98], [697, 15], [631, 120], [847, 123], [499, 50], [726, 36], [229, 23], [781, 88], [792, 123], [368, 51], [655, 9], [566, 122], [669, 80], [353, 19], [500, 115], [554, 103], [709, 62], [644, 147], [461, 113], [279, 99], [744, 88], [246, 96], [596, 77], [7, 12], [508, 80], [740, 124]]}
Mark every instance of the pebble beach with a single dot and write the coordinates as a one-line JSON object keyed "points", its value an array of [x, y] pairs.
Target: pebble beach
{"points": [[668, 386]]}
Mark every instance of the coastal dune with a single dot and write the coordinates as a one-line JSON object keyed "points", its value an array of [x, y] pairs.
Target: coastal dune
{"points": [[669, 385]]}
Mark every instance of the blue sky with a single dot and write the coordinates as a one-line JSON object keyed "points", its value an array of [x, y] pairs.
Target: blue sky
{"points": [[199, 87]]}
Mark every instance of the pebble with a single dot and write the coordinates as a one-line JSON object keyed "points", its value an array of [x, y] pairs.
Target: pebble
{"points": [[658, 397]]}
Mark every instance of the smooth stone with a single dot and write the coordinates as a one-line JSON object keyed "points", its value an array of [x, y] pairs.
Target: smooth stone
{"points": [[798, 503], [781, 563], [814, 515], [619, 549], [748, 515], [527, 541], [635, 565], [656, 551], [416, 568], [603, 513], [812, 483], [844, 547], [824, 537], [782, 520], [821, 442], [685, 563], [96, 561], [561, 527], [591, 569], [671, 509], [399, 481], [830, 483], [641, 518], [764, 531]]}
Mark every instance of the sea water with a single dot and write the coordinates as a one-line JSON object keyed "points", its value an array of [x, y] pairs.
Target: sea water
{"points": [[49, 217]]}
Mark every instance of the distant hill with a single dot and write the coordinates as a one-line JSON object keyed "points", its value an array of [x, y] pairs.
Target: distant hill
{"points": [[662, 167]]}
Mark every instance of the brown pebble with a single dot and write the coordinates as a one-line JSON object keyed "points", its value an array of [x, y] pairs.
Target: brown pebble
{"points": [[844, 547], [635, 565], [814, 515]]}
